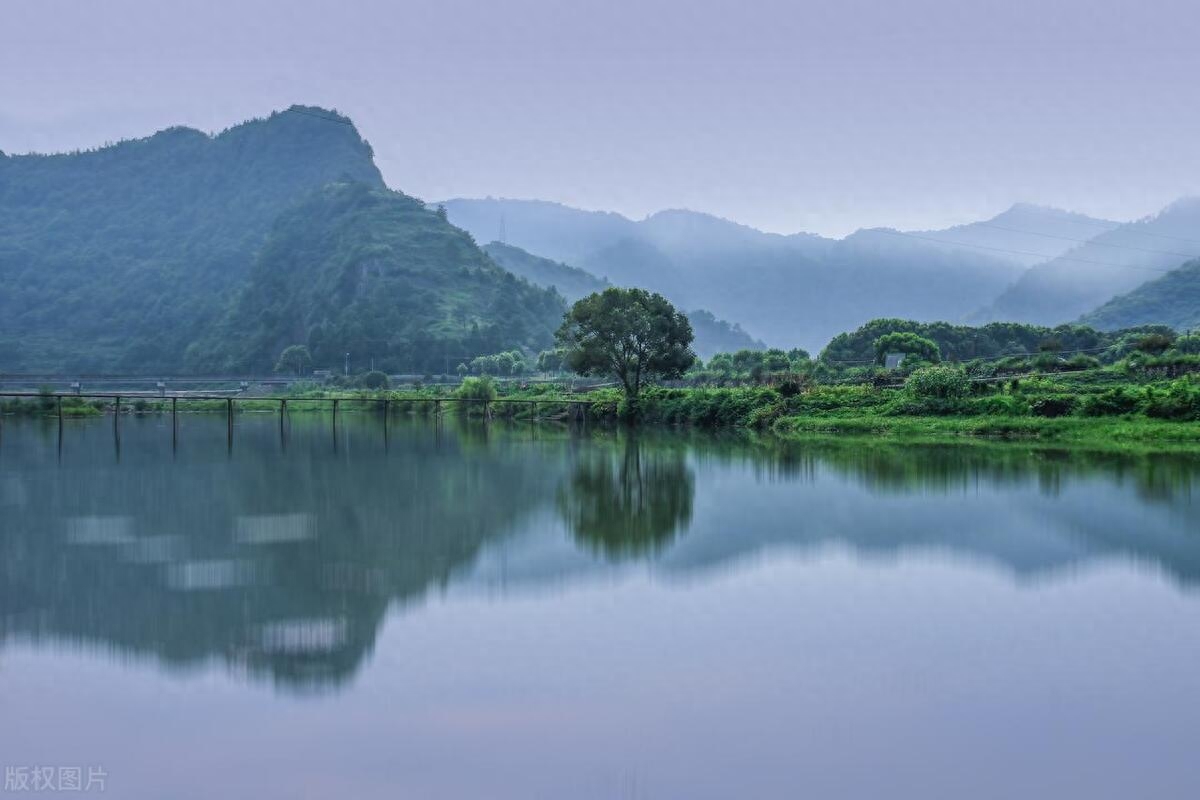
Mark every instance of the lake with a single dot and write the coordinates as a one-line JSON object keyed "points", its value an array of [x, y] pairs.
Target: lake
{"points": [[461, 611]]}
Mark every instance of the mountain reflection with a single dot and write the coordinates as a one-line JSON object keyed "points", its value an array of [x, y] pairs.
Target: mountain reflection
{"points": [[282, 563]]}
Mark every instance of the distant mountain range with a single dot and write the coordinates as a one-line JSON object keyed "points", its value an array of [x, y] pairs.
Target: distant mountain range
{"points": [[712, 335], [792, 290], [1115, 259]]}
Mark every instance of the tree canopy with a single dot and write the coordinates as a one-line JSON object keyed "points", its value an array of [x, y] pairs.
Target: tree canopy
{"points": [[630, 334]]}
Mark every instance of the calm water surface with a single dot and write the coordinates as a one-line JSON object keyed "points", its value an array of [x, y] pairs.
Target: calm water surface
{"points": [[534, 613]]}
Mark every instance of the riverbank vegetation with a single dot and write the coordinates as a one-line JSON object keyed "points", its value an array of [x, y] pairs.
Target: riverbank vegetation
{"points": [[1139, 385]]}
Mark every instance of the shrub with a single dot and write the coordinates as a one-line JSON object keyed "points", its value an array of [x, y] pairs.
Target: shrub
{"points": [[1189, 344], [938, 383], [1059, 405], [477, 389], [1180, 402], [374, 380], [1000, 405], [1118, 400]]}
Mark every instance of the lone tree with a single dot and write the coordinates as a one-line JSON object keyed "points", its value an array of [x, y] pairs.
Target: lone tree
{"points": [[295, 359], [630, 334]]}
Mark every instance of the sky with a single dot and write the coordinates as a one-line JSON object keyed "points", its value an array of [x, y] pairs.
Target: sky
{"points": [[787, 115]]}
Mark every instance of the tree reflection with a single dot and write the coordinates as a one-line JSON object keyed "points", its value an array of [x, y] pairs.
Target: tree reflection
{"points": [[629, 503]]}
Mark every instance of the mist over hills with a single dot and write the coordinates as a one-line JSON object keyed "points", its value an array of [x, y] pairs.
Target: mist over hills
{"points": [[712, 335], [1173, 299], [1114, 261], [799, 289]]}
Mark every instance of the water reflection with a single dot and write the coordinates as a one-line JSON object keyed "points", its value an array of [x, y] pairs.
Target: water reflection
{"points": [[627, 499], [282, 564]]}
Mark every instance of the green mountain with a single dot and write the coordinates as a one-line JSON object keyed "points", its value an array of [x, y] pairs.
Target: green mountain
{"points": [[111, 259], [712, 335], [1173, 299], [126, 258], [374, 273]]}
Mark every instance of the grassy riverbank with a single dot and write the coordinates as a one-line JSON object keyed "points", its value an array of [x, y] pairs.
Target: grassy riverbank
{"points": [[1107, 407]]}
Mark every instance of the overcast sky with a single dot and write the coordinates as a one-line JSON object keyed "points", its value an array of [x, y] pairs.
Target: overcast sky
{"points": [[791, 115]]}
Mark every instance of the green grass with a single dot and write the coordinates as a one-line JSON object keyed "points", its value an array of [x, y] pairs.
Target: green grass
{"points": [[1098, 432]]}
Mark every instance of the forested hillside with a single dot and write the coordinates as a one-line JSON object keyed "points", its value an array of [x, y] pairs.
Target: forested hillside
{"points": [[185, 251], [374, 273], [1173, 299], [113, 259]]}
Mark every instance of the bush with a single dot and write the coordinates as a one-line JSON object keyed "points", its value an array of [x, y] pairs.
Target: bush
{"points": [[1059, 405], [938, 383], [477, 389], [1180, 402], [374, 380], [1000, 405], [1113, 402], [1188, 345]]}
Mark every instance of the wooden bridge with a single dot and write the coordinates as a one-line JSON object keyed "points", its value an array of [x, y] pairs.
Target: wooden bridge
{"points": [[576, 409]]}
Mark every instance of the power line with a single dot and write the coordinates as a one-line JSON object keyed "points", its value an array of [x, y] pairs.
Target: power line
{"points": [[1085, 241], [325, 117], [1022, 252], [1126, 226]]}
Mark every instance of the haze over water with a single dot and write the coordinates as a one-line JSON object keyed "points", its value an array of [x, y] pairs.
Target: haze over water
{"points": [[539, 612]]}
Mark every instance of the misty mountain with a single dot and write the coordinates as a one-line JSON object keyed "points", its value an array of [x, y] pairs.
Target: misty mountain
{"points": [[790, 290], [119, 259], [571, 282], [1111, 263], [712, 335], [1173, 299], [1027, 234]]}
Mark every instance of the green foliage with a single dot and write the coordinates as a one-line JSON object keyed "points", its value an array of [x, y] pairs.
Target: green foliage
{"points": [[376, 274], [294, 359], [1154, 344], [504, 364], [1112, 402], [374, 380], [909, 343], [629, 334], [964, 343], [1180, 401], [114, 259], [1059, 405], [938, 383], [1188, 345], [477, 389]]}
